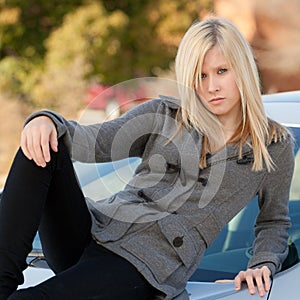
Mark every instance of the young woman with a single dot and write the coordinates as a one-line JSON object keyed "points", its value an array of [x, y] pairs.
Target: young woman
{"points": [[204, 157]]}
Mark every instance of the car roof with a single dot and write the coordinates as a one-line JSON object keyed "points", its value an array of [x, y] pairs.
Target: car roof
{"points": [[292, 96], [283, 107]]}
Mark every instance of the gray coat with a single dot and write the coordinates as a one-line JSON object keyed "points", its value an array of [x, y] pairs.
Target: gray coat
{"points": [[171, 211]]}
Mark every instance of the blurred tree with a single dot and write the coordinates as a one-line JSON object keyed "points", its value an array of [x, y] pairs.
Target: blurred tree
{"points": [[25, 24], [72, 55], [150, 39], [101, 41], [121, 40]]}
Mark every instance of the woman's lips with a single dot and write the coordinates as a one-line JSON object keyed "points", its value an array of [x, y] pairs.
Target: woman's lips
{"points": [[216, 100]]}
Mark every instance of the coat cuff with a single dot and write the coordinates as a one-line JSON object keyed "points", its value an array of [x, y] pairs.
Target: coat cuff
{"points": [[53, 116], [270, 265]]}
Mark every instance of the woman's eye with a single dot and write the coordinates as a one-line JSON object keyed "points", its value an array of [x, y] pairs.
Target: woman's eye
{"points": [[203, 76], [222, 70]]}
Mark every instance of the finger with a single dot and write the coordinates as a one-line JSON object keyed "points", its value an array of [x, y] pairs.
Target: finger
{"points": [[47, 143], [260, 285], [267, 277], [238, 280], [250, 282], [30, 147], [24, 146], [53, 141], [48, 139], [34, 144], [45, 149]]}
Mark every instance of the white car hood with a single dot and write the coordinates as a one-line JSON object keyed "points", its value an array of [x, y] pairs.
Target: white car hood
{"points": [[34, 276]]}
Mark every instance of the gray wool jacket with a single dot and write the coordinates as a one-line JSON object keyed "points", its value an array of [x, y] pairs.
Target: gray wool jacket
{"points": [[171, 211]]}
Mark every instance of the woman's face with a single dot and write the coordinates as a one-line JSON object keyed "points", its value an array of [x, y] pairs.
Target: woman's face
{"points": [[219, 92]]}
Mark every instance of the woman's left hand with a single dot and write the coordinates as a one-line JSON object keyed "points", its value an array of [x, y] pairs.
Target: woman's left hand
{"points": [[260, 277]]}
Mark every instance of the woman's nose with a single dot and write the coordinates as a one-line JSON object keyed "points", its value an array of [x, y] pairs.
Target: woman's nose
{"points": [[213, 84]]}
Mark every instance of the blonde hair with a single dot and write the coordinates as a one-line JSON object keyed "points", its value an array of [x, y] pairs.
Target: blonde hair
{"points": [[200, 38]]}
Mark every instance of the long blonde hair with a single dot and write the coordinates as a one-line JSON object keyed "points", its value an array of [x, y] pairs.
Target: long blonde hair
{"points": [[200, 38]]}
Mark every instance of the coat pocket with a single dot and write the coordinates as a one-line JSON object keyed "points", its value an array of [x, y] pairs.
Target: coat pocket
{"points": [[163, 248]]}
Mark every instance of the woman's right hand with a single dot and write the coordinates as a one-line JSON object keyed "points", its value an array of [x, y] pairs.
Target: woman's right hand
{"points": [[36, 139]]}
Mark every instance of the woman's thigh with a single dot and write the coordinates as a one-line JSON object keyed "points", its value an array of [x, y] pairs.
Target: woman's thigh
{"points": [[66, 222], [99, 275]]}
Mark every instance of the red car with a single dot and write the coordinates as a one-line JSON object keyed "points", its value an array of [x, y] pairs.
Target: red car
{"points": [[118, 97]]}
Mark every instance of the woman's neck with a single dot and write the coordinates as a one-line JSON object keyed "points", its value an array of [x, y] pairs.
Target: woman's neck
{"points": [[227, 134], [230, 127]]}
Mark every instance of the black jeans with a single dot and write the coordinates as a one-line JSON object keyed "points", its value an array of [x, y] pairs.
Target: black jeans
{"points": [[49, 200]]}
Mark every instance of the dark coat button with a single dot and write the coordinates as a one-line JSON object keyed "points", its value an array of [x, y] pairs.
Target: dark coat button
{"points": [[172, 168], [178, 241], [140, 193], [112, 199], [203, 180], [144, 196], [245, 160]]}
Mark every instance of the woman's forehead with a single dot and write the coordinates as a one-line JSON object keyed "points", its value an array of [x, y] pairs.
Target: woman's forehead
{"points": [[214, 57]]}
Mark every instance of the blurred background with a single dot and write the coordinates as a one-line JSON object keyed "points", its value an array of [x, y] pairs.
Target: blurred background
{"points": [[61, 54]]}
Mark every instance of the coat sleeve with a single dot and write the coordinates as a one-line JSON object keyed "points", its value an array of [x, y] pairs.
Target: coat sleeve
{"points": [[108, 141], [272, 224]]}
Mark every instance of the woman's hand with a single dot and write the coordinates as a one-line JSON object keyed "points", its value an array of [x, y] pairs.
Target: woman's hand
{"points": [[259, 277], [36, 139]]}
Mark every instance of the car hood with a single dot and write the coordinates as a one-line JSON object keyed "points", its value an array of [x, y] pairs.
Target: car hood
{"points": [[209, 290], [34, 276], [225, 291]]}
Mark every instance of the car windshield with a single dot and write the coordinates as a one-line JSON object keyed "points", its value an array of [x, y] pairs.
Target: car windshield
{"points": [[231, 250]]}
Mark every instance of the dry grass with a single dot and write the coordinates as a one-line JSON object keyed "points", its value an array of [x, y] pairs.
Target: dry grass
{"points": [[12, 115]]}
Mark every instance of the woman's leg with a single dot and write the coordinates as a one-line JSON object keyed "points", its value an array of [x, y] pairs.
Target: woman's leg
{"points": [[99, 275], [65, 227], [48, 198]]}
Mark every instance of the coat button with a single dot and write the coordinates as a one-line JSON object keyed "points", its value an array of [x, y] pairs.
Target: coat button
{"points": [[178, 241], [203, 180], [172, 167], [112, 199], [140, 193]]}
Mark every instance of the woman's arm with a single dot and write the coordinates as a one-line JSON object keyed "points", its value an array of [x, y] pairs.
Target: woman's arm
{"points": [[272, 224], [116, 139]]}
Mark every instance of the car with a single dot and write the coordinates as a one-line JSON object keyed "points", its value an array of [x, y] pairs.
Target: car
{"points": [[114, 100], [232, 249]]}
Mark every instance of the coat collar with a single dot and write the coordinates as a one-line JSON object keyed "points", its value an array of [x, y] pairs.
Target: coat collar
{"points": [[170, 101], [229, 152]]}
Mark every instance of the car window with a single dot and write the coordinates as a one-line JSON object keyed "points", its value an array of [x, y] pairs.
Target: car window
{"points": [[36, 245], [295, 188], [108, 178]]}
